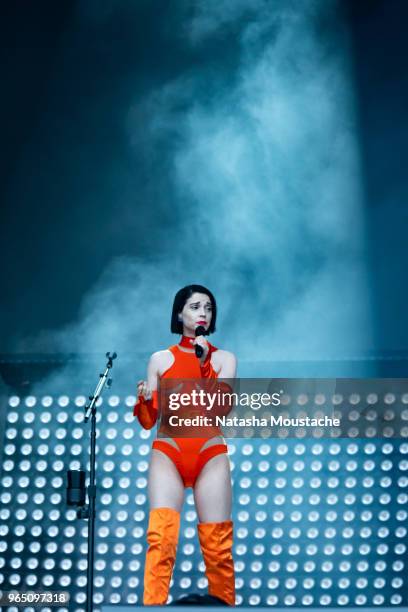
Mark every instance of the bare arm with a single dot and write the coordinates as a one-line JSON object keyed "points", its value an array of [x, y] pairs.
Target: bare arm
{"points": [[146, 405], [228, 365], [146, 387]]}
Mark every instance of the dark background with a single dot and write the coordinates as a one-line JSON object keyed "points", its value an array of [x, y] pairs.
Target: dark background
{"points": [[64, 91]]}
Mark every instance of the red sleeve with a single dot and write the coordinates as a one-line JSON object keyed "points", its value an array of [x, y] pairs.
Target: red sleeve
{"points": [[146, 411]]}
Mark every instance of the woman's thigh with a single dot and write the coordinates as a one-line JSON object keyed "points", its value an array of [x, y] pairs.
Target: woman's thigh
{"points": [[213, 491], [165, 487]]}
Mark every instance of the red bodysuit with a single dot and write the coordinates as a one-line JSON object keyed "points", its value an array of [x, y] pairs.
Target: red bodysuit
{"points": [[188, 458]]}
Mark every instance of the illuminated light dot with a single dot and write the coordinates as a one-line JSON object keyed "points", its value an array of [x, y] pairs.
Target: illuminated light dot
{"points": [[241, 549], [15, 563], [260, 516], [34, 548], [83, 548], [114, 400], [139, 515], [262, 483], [142, 466], [311, 549], [140, 499], [319, 399], [243, 516], [247, 449], [41, 466], [294, 549], [59, 449], [45, 417], [246, 466], [117, 565], [244, 499], [30, 401], [130, 400], [27, 433], [29, 417], [263, 466], [5, 514], [188, 549], [259, 549], [261, 499], [47, 401], [186, 566], [124, 483], [14, 579], [189, 532], [38, 498], [12, 417], [185, 583], [54, 515], [389, 398], [14, 401], [294, 533], [31, 579], [76, 449], [145, 434], [136, 549], [302, 399], [112, 417]]}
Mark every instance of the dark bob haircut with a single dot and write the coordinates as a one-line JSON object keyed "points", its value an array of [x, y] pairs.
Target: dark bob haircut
{"points": [[181, 298]]}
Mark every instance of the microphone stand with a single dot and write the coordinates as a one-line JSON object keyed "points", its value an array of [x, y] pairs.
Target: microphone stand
{"points": [[88, 510]]}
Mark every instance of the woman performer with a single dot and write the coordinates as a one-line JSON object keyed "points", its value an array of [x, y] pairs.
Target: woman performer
{"points": [[179, 463]]}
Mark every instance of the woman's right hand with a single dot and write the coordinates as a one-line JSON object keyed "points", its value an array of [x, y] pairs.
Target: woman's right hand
{"points": [[143, 390]]}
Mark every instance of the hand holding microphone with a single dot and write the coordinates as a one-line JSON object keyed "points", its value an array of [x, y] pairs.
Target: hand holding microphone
{"points": [[200, 343]]}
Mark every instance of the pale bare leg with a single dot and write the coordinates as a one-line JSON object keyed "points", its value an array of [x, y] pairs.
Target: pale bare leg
{"points": [[213, 491], [165, 487]]}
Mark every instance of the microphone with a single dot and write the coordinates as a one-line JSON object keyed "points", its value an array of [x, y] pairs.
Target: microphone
{"points": [[199, 331]]}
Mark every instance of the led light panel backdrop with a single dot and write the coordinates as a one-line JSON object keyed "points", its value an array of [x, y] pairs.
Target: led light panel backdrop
{"points": [[317, 523]]}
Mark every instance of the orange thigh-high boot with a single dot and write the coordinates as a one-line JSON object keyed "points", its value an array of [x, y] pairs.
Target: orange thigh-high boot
{"points": [[162, 537], [216, 546]]}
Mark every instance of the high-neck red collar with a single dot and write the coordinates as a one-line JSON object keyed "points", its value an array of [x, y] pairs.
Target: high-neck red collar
{"points": [[187, 342]]}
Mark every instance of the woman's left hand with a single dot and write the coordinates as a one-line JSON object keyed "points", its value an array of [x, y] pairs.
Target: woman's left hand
{"points": [[201, 341]]}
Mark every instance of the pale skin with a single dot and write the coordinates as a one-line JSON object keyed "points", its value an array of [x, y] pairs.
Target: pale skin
{"points": [[212, 491]]}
